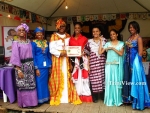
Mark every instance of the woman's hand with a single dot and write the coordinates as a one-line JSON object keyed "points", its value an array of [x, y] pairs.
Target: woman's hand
{"points": [[101, 38], [20, 74], [109, 48], [63, 53], [37, 72]]}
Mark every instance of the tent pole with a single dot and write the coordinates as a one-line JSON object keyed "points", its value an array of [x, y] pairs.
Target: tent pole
{"points": [[141, 5], [56, 9]]}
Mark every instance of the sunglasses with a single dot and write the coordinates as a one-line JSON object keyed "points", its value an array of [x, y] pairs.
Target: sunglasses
{"points": [[21, 30], [62, 26]]}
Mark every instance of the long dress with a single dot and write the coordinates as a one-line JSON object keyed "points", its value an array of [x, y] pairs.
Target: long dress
{"points": [[26, 87], [61, 85], [97, 65], [80, 70], [42, 62], [135, 87], [113, 76]]}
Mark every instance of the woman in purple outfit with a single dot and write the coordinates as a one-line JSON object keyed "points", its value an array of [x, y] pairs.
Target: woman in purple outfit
{"points": [[22, 59]]}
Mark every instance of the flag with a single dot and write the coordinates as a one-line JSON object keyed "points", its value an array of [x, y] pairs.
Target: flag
{"points": [[69, 19], [82, 18], [10, 9], [27, 14], [21, 13], [87, 18], [18, 12], [104, 17], [2, 8], [74, 19], [122, 16], [91, 17], [95, 17], [100, 17], [78, 18], [33, 18], [6, 8], [113, 16]]}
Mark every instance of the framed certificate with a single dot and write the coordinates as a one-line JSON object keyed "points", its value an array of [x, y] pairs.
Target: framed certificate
{"points": [[73, 51]]}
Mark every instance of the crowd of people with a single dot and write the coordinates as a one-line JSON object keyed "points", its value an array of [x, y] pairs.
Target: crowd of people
{"points": [[45, 74]]}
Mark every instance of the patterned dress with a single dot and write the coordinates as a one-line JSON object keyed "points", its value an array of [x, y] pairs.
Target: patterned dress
{"points": [[42, 62], [61, 85], [97, 65], [26, 87], [80, 70]]}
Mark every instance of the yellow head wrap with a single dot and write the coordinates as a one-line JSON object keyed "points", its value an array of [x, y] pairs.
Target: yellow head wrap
{"points": [[59, 23]]}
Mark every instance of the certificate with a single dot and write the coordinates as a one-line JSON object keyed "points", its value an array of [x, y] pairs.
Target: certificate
{"points": [[73, 51]]}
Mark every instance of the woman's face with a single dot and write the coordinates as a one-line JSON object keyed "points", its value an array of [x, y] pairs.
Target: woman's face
{"points": [[39, 35], [21, 32], [113, 35], [77, 29], [62, 29], [96, 32], [132, 30]]}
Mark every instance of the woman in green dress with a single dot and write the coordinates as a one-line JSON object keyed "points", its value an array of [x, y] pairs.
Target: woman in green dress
{"points": [[113, 70]]}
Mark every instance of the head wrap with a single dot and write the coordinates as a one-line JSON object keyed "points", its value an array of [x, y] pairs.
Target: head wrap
{"points": [[39, 29], [23, 25], [59, 23]]}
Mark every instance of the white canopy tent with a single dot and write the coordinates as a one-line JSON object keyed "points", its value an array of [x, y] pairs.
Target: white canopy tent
{"points": [[56, 8]]}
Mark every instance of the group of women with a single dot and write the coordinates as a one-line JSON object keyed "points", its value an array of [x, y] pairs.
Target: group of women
{"points": [[44, 71]]}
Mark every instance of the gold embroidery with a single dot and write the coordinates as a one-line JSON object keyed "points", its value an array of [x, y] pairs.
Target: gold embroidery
{"points": [[114, 62], [41, 44]]}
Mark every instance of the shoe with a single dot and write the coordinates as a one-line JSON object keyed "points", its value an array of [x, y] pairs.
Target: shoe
{"points": [[95, 101], [30, 107]]}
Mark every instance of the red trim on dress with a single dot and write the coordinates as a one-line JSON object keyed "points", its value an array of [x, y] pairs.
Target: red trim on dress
{"points": [[86, 98]]}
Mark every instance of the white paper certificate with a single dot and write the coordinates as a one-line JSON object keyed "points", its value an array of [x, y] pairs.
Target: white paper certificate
{"points": [[73, 51]]}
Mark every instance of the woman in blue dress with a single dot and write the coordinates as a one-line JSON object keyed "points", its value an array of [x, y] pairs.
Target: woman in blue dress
{"points": [[42, 64], [113, 70], [135, 89]]}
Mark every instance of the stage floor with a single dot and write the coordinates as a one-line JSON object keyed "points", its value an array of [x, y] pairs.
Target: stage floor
{"points": [[69, 108]]}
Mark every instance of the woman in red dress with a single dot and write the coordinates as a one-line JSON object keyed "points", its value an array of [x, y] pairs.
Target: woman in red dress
{"points": [[80, 65]]}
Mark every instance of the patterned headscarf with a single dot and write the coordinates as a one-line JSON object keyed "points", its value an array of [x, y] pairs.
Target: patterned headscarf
{"points": [[59, 23], [39, 29], [23, 25]]}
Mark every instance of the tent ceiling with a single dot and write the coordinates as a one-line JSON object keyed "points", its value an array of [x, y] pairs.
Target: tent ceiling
{"points": [[79, 7]]}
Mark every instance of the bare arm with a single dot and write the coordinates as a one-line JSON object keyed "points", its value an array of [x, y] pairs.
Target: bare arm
{"points": [[101, 50], [140, 46]]}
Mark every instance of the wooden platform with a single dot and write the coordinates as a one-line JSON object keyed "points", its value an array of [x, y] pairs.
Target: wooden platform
{"points": [[69, 108]]}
